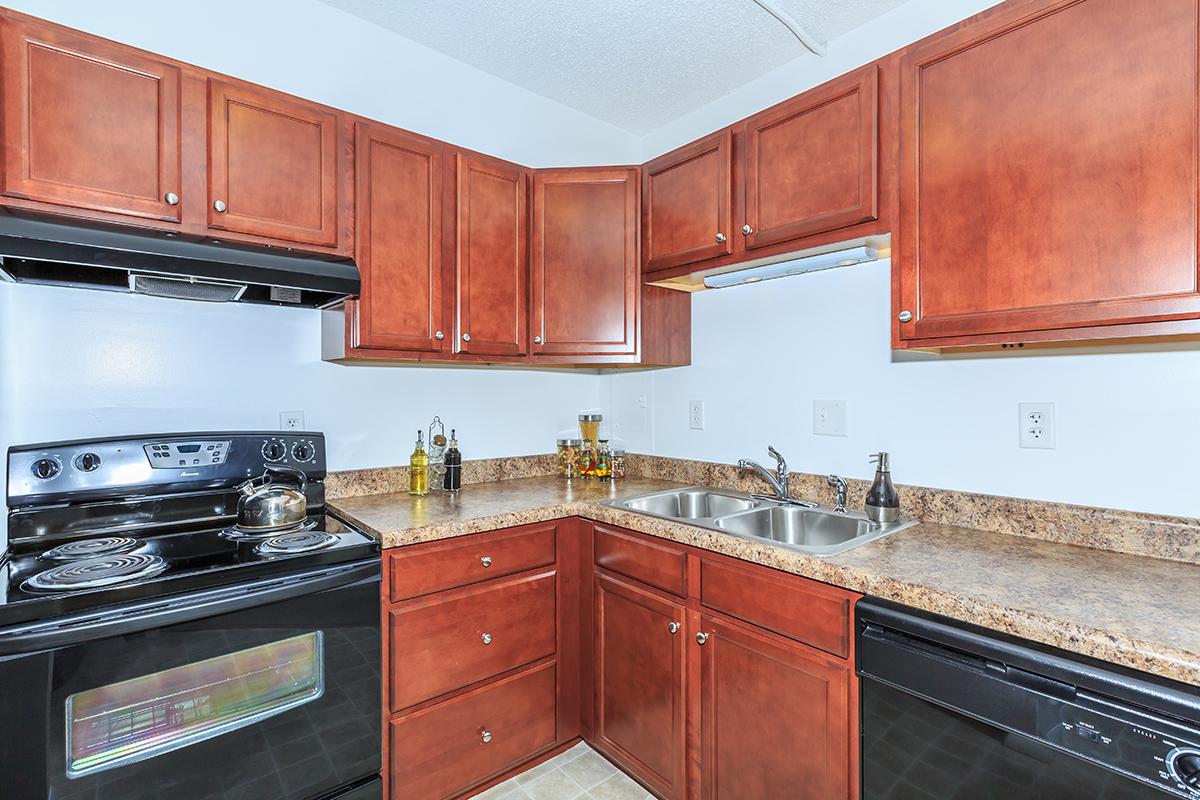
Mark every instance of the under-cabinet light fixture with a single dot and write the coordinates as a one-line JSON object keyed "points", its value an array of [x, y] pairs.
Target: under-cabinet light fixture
{"points": [[799, 266]]}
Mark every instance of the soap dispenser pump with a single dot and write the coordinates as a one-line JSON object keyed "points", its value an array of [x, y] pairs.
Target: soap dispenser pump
{"points": [[883, 501]]}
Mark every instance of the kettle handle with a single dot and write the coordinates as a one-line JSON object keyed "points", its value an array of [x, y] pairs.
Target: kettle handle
{"points": [[299, 474]]}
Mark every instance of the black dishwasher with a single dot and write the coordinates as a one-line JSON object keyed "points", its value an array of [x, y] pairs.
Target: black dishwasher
{"points": [[952, 712]]}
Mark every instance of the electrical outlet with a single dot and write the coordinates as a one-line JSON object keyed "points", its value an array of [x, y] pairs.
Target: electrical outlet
{"points": [[291, 420], [829, 417], [1036, 422], [696, 415], [642, 401]]}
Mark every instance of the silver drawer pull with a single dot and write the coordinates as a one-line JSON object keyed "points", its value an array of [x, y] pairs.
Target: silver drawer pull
{"points": [[171, 198], [701, 638], [219, 206], [673, 628], [486, 561], [487, 638], [486, 736]]}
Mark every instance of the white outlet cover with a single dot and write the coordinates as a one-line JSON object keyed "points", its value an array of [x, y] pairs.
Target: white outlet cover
{"points": [[696, 415], [829, 417], [291, 420], [1035, 423]]}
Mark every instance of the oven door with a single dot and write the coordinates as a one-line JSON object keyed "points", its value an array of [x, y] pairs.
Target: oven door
{"points": [[268, 691]]}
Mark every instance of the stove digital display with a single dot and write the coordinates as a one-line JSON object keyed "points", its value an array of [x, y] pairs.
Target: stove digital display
{"points": [[175, 455], [188, 448]]}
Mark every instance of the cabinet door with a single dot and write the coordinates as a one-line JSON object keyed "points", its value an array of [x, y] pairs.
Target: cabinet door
{"points": [[775, 717], [586, 276], [687, 213], [89, 124], [398, 240], [1049, 171], [639, 675], [492, 277], [272, 167], [812, 161]]}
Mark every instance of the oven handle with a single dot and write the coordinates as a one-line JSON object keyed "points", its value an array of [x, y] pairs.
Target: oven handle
{"points": [[159, 612]]}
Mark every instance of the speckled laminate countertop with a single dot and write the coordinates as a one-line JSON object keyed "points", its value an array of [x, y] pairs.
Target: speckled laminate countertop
{"points": [[1131, 610]]}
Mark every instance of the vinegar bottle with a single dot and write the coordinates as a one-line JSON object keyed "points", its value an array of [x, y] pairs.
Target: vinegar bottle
{"points": [[418, 469]]}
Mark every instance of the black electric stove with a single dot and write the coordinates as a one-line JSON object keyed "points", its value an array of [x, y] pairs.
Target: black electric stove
{"points": [[155, 638]]}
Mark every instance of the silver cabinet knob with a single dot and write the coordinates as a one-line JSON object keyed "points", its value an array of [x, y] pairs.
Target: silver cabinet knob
{"points": [[701, 638], [905, 316], [746, 229], [486, 736], [439, 336], [487, 638], [720, 237], [537, 340], [171, 198], [220, 206], [673, 628], [486, 561], [466, 337]]}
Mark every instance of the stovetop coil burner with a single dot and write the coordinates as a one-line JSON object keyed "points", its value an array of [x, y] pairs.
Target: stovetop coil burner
{"points": [[296, 542], [92, 573], [92, 548], [252, 535]]}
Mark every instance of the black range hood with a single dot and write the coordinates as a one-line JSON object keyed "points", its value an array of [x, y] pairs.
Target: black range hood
{"points": [[37, 250]]}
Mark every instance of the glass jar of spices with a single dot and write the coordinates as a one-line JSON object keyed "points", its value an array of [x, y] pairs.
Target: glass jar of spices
{"points": [[568, 457], [617, 466]]}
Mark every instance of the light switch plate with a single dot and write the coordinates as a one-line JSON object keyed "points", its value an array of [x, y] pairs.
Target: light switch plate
{"points": [[829, 417]]}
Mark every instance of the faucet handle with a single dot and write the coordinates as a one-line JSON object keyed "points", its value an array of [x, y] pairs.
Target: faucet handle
{"points": [[780, 461]]}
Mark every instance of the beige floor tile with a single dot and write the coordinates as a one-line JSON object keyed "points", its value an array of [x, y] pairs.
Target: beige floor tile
{"points": [[509, 790], [589, 769], [619, 787], [554, 785], [533, 773]]}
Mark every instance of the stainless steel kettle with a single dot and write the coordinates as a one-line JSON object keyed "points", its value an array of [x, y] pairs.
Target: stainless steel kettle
{"points": [[264, 505]]}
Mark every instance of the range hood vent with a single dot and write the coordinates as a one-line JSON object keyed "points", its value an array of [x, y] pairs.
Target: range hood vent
{"points": [[36, 250]]}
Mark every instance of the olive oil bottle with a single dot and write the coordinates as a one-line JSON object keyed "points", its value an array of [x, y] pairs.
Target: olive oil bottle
{"points": [[418, 469]]}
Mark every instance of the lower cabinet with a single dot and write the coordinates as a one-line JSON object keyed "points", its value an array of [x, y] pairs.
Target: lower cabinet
{"points": [[640, 649]]}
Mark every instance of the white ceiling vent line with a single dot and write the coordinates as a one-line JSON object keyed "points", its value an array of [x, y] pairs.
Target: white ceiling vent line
{"points": [[790, 22]]}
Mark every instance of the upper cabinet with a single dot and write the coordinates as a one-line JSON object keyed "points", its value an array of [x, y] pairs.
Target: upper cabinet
{"points": [[812, 162], [273, 165], [1049, 178], [491, 286], [398, 242], [687, 203], [586, 275], [89, 124]]}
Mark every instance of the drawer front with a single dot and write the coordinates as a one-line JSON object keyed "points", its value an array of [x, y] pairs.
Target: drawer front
{"points": [[456, 639], [458, 562], [658, 565], [803, 610], [445, 749]]}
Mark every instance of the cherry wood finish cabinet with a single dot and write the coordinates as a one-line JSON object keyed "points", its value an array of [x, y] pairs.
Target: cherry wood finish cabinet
{"points": [[273, 165], [89, 124], [1049, 155], [398, 177], [687, 203], [492, 257]]}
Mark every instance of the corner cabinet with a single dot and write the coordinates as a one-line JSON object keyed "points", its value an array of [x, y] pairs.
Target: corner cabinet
{"points": [[1049, 155]]}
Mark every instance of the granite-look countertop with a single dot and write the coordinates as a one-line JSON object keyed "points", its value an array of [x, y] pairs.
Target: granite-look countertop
{"points": [[1136, 611]]}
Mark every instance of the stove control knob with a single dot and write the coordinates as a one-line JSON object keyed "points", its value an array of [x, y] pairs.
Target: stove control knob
{"points": [[1184, 765], [45, 468], [274, 450], [303, 451], [87, 462]]}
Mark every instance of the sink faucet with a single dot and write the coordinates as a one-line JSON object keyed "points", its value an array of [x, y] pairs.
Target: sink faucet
{"points": [[778, 480], [839, 484]]}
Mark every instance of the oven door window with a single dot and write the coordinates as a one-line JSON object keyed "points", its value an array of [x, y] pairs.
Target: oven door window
{"points": [[133, 720]]}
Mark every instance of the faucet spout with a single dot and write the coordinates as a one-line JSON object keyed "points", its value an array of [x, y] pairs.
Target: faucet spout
{"points": [[780, 489]]}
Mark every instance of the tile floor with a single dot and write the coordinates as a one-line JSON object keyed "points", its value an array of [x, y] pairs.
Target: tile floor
{"points": [[577, 774]]}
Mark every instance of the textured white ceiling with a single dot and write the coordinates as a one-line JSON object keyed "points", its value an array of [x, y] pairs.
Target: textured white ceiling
{"points": [[635, 63]]}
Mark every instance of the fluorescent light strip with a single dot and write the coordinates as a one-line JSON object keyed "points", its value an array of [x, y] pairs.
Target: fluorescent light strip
{"points": [[799, 266]]}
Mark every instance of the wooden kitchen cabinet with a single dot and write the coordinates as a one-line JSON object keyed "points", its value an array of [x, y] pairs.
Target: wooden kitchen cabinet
{"points": [[491, 279], [273, 165], [586, 276], [639, 657], [811, 163], [1049, 156], [89, 124], [398, 243], [687, 203], [775, 717]]}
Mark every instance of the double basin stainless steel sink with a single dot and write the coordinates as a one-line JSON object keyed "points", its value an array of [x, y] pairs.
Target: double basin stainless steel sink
{"points": [[816, 531]]}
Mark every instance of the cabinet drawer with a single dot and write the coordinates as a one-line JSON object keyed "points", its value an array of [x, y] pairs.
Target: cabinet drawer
{"points": [[455, 639], [458, 562], [440, 751], [803, 610], [658, 565]]}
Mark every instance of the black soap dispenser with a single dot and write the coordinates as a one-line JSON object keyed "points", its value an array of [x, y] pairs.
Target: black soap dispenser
{"points": [[883, 501]]}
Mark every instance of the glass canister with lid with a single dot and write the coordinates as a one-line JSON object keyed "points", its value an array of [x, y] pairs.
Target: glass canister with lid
{"points": [[568, 457], [589, 432]]}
